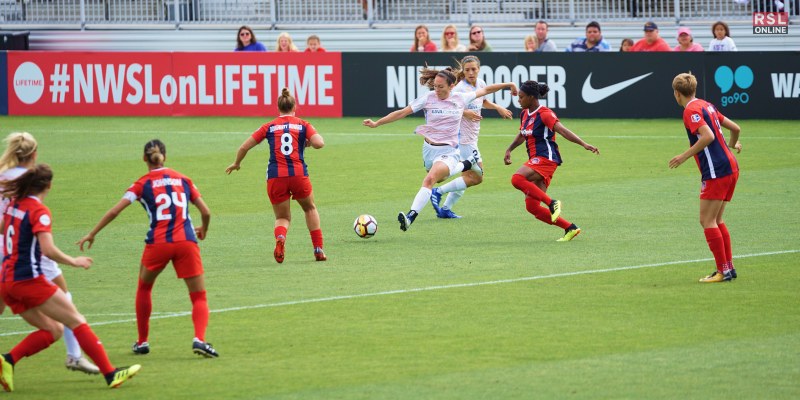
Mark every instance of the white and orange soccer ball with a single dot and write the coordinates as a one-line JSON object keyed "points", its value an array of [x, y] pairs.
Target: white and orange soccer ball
{"points": [[365, 226]]}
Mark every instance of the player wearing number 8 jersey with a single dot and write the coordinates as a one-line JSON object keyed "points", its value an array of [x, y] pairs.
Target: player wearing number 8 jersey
{"points": [[287, 172], [165, 195]]}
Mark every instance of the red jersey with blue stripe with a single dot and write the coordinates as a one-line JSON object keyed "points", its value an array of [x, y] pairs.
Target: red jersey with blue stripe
{"points": [[22, 220], [165, 195], [287, 136], [716, 160], [537, 128]]}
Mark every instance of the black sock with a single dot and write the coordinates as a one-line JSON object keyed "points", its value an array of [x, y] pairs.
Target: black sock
{"points": [[7, 356], [467, 165]]}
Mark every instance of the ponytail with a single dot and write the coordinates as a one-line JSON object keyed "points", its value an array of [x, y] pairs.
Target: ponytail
{"points": [[155, 152], [36, 180]]}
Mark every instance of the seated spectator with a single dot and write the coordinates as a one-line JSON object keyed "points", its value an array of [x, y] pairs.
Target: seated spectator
{"points": [[593, 42], [721, 40], [626, 45], [477, 42], [450, 39], [313, 45], [651, 41], [246, 40], [284, 43], [422, 40], [531, 43], [545, 44], [686, 40]]}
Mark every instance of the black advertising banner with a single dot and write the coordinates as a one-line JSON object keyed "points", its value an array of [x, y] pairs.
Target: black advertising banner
{"points": [[596, 85]]}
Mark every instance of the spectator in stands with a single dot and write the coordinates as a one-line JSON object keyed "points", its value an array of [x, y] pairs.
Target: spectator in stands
{"points": [[626, 45], [246, 40], [686, 40], [313, 45], [450, 39], [545, 44], [531, 43], [593, 42], [365, 7], [284, 43], [722, 40], [422, 40], [651, 41], [477, 42]]}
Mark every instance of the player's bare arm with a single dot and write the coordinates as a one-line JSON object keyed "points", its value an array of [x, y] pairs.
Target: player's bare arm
{"points": [[518, 140], [733, 141], [574, 138], [389, 118], [706, 137]]}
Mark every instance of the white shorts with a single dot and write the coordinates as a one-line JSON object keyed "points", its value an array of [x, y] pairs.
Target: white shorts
{"points": [[470, 152], [446, 154], [50, 269]]}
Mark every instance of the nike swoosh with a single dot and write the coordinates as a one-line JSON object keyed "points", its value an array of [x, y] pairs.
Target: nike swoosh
{"points": [[592, 95]]}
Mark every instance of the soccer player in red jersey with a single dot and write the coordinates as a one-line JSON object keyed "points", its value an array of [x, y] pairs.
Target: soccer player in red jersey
{"points": [[165, 195], [27, 228], [718, 169], [538, 126], [287, 172]]}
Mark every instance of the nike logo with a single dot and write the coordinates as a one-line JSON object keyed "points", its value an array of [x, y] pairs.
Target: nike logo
{"points": [[592, 95]]}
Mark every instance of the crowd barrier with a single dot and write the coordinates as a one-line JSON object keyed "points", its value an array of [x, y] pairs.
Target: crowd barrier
{"points": [[602, 85]]}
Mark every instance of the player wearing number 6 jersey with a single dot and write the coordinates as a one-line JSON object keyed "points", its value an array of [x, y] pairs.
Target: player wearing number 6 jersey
{"points": [[287, 172], [165, 195]]}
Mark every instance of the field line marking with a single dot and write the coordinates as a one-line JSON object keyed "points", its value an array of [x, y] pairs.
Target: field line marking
{"points": [[430, 288]]}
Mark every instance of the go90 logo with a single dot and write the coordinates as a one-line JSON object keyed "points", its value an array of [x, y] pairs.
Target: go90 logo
{"points": [[726, 78]]}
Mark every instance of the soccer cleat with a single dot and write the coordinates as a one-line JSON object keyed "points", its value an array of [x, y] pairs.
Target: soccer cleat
{"points": [[404, 221], [570, 233], [279, 250], [447, 213], [120, 375], [716, 277], [733, 273], [555, 210], [319, 254], [6, 374], [204, 349], [436, 197], [81, 364], [141, 348]]}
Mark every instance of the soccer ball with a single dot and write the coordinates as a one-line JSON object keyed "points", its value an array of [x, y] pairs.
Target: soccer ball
{"points": [[365, 226]]}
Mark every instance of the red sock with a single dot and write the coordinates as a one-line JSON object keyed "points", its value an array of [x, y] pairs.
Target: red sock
{"points": [[726, 239], [199, 314], [316, 238], [561, 222], [543, 214], [91, 345], [530, 189], [717, 246], [32, 344], [144, 307], [280, 231]]}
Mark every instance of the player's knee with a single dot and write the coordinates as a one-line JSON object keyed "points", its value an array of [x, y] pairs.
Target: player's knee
{"points": [[517, 180]]}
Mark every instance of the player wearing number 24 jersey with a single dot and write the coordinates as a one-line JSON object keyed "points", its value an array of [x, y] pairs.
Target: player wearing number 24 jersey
{"points": [[165, 195]]}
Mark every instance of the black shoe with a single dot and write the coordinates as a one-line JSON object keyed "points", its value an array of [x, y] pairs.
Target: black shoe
{"points": [[204, 349], [143, 348]]}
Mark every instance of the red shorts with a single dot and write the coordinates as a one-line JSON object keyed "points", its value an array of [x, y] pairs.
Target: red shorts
{"points": [[281, 189], [21, 296], [719, 188], [543, 167], [185, 257]]}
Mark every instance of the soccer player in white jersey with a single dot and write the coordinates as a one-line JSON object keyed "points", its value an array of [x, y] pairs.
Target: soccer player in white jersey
{"points": [[443, 113], [468, 138], [18, 157]]}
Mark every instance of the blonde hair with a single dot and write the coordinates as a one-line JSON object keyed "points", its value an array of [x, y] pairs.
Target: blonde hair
{"points": [[286, 103], [20, 147], [445, 43], [155, 152], [530, 38], [288, 37], [685, 84]]}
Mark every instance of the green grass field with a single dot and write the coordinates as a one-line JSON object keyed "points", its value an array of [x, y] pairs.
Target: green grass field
{"points": [[489, 306]]}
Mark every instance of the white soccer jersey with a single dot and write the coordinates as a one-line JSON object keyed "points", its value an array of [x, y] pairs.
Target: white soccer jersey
{"points": [[442, 117], [470, 128]]}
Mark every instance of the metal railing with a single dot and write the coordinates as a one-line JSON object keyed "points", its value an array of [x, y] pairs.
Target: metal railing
{"points": [[303, 12]]}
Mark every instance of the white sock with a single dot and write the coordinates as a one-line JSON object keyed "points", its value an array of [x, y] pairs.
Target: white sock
{"points": [[452, 199], [421, 199], [454, 185], [73, 348]]}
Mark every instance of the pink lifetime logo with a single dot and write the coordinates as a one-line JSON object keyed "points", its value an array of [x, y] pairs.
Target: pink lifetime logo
{"points": [[770, 23]]}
